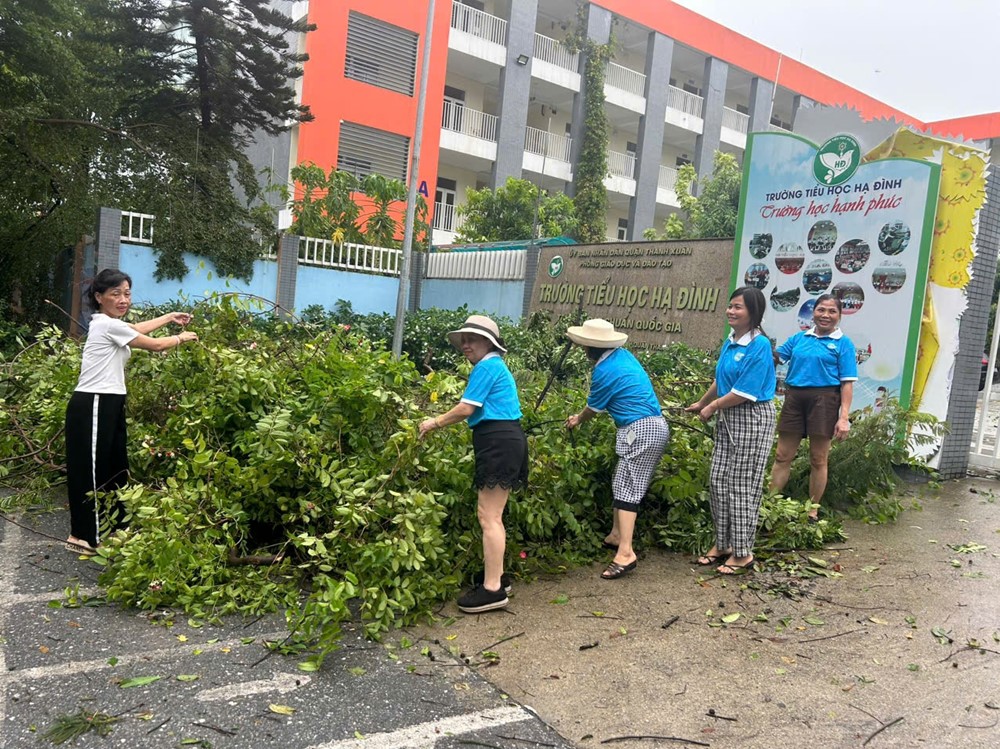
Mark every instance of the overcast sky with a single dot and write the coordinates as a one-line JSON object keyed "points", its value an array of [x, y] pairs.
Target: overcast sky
{"points": [[932, 59]]}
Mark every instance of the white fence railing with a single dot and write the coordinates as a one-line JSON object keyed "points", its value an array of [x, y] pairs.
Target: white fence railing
{"points": [[444, 216], [683, 101], [472, 122], [621, 164], [503, 265], [735, 120], [556, 53], [668, 177], [479, 23], [549, 145], [137, 227], [625, 79], [325, 253]]}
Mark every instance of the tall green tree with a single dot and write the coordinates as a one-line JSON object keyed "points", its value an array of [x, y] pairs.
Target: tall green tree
{"points": [[142, 104], [510, 212], [715, 211]]}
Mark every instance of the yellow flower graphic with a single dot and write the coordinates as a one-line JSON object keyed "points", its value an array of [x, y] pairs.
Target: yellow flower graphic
{"points": [[941, 225]]}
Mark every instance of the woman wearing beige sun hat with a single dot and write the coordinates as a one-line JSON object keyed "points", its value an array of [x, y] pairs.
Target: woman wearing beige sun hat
{"points": [[491, 406], [620, 386]]}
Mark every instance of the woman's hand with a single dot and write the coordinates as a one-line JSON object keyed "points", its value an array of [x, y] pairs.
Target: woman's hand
{"points": [[181, 318], [187, 335], [573, 421], [428, 425], [707, 411], [842, 429]]}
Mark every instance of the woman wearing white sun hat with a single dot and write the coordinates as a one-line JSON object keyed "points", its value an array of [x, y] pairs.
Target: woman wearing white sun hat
{"points": [[491, 406], [620, 386]]}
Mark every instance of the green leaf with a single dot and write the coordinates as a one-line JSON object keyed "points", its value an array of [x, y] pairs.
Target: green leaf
{"points": [[188, 677], [814, 621], [308, 666], [281, 709], [560, 599], [730, 618], [138, 681]]}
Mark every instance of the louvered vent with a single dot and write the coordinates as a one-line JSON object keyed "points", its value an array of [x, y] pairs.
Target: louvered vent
{"points": [[365, 150], [380, 54]]}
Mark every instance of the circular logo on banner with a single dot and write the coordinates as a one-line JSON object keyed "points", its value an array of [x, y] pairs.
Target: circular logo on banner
{"points": [[837, 160], [555, 266]]}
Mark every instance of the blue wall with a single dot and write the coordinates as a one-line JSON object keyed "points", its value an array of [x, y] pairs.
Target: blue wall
{"points": [[495, 298], [139, 261], [325, 286]]}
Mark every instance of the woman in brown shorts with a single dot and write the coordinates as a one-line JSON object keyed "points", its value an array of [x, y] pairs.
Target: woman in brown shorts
{"points": [[822, 368]]}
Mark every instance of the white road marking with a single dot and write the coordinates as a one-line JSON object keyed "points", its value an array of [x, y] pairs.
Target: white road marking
{"points": [[427, 734], [77, 667], [277, 683]]}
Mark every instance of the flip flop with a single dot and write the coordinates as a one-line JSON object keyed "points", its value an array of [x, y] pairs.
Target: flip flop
{"points": [[83, 551], [736, 569], [710, 559], [614, 570]]}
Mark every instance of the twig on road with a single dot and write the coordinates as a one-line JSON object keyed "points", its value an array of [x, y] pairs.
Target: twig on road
{"points": [[890, 724]]}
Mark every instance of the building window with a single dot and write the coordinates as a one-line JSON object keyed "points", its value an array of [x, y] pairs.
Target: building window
{"points": [[444, 204], [622, 229], [380, 54], [365, 150], [682, 160]]}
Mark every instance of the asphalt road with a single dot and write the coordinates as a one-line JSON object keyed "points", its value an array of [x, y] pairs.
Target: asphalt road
{"points": [[64, 653]]}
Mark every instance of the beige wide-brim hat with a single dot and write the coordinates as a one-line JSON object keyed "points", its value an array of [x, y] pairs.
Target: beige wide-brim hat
{"points": [[596, 333], [479, 325]]}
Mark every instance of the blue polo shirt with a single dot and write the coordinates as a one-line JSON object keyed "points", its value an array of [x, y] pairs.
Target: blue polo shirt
{"points": [[620, 386], [816, 361], [746, 367], [492, 391]]}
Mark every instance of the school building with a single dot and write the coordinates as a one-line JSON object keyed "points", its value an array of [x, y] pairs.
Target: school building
{"points": [[504, 98]]}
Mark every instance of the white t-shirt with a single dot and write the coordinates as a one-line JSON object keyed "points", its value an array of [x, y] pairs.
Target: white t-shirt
{"points": [[104, 355]]}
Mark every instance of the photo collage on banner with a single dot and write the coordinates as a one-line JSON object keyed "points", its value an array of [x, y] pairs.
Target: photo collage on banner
{"points": [[813, 221]]}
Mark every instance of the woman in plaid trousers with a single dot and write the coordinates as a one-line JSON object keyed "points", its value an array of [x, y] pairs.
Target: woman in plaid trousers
{"points": [[620, 386], [742, 394]]}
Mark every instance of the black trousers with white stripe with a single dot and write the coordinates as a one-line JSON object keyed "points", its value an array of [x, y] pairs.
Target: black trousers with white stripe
{"points": [[96, 461]]}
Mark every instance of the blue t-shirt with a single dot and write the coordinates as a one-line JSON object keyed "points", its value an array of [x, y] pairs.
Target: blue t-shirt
{"points": [[492, 391], [746, 367], [819, 361], [620, 386]]}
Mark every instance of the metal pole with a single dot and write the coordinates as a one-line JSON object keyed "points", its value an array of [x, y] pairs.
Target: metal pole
{"points": [[774, 91], [411, 198]]}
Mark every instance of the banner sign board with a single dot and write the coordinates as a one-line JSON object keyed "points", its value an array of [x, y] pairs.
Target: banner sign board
{"points": [[657, 292], [815, 220]]}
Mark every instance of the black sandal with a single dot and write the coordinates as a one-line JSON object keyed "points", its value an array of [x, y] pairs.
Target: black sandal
{"points": [[712, 559], [736, 569], [614, 570]]}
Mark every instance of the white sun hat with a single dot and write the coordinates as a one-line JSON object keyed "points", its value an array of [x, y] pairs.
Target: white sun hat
{"points": [[479, 325], [596, 333]]}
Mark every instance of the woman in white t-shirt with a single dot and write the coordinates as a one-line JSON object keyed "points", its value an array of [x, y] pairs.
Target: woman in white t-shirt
{"points": [[96, 442]]}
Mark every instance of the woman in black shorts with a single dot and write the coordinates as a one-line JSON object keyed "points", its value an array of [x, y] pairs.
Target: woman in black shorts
{"points": [[491, 406], [822, 368]]}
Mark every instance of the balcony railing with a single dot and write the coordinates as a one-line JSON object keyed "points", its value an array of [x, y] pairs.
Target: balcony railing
{"points": [[668, 177], [550, 51], [621, 164], [478, 23], [137, 227], [681, 100], [444, 216], [461, 119], [625, 79], [548, 145], [735, 120], [349, 256]]}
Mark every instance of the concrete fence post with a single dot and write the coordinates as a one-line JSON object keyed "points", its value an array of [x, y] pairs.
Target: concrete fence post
{"points": [[532, 253], [288, 268]]}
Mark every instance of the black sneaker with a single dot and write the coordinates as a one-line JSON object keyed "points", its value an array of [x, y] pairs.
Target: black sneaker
{"points": [[505, 581], [480, 599]]}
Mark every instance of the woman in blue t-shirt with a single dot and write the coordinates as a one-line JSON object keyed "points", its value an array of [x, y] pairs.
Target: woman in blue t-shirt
{"points": [[620, 386], [742, 394], [96, 440], [491, 406], [822, 369]]}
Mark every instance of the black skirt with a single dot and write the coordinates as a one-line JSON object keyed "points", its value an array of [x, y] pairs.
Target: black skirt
{"points": [[501, 455]]}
